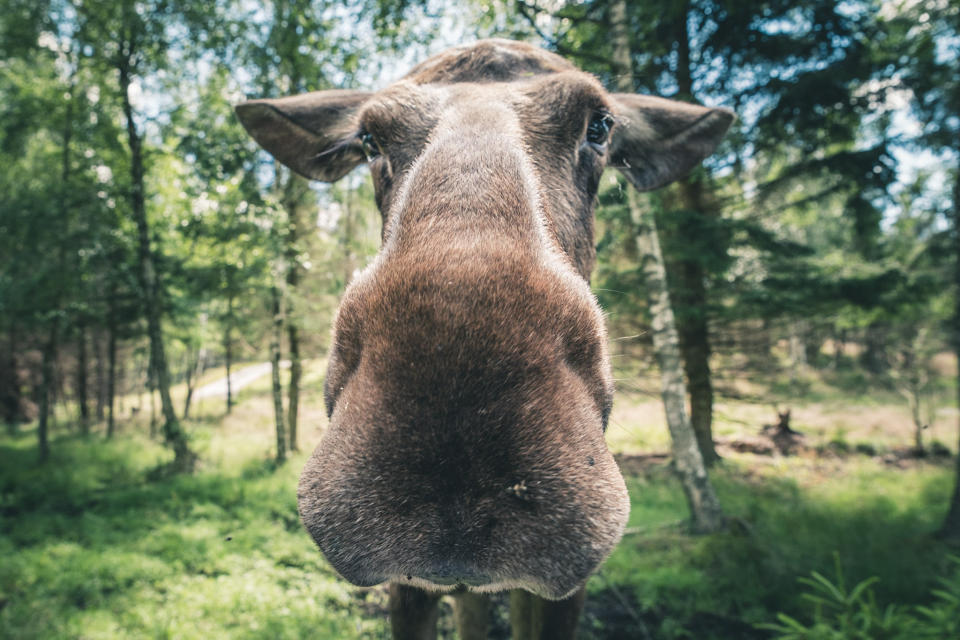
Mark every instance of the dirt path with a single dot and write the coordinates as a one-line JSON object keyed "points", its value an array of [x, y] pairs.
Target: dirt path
{"points": [[238, 379]]}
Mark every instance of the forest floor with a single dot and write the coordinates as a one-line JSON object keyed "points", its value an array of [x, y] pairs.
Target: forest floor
{"points": [[95, 544]]}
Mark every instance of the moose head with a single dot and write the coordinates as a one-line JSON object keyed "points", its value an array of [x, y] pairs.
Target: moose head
{"points": [[469, 384]]}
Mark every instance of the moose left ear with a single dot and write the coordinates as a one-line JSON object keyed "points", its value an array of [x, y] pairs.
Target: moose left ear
{"points": [[309, 133], [657, 141]]}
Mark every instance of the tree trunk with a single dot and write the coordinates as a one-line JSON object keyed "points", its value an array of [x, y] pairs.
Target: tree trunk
{"points": [[295, 192], [111, 358], [874, 357], [193, 373], [189, 367], [705, 511], [123, 387], [689, 294], [918, 424], [59, 394], [82, 399], [691, 278], [798, 352], [228, 348], [11, 391], [696, 364], [950, 528], [46, 385], [100, 378], [50, 347], [152, 394], [173, 433], [275, 336], [293, 390]]}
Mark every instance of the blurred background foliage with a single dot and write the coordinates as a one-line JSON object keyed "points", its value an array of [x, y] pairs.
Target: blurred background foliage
{"points": [[148, 249]]}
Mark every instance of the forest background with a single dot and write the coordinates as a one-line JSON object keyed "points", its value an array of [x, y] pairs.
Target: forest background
{"points": [[152, 261]]}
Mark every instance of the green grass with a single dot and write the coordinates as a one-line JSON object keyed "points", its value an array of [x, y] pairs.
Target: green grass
{"points": [[92, 549], [95, 544], [790, 518]]}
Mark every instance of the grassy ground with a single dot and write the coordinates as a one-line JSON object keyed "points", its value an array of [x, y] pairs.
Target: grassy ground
{"points": [[93, 545]]}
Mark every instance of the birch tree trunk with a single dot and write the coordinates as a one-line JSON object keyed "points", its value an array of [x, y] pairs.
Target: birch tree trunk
{"points": [[705, 511]]}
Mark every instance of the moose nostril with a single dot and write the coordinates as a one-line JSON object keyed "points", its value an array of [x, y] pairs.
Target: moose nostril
{"points": [[467, 579], [456, 574]]}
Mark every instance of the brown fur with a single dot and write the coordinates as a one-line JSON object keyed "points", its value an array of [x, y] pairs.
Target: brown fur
{"points": [[469, 386]]}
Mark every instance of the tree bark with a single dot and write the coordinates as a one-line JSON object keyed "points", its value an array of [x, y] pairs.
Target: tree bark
{"points": [[706, 513], [295, 191], [189, 367], [100, 378], [46, 385], [293, 388], [82, 399], [798, 350], [275, 336], [696, 364], [152, 393], [691, 281], [193, 372], [875, 339], [123, 387], [111, 358], [950, 528], [11, 390], [228, 348], [689, 295], [50, 347], [173, 433]]}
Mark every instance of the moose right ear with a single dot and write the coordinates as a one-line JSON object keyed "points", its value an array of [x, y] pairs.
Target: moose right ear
{"points": [[310, 133], [657, 141]]}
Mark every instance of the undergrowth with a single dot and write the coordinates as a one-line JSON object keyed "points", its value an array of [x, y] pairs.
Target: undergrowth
{"points": [[840, 613], [92, 549], [94, 545], [787, 520]]}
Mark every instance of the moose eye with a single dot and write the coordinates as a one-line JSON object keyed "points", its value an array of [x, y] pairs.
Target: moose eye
{"points": [[370, 147], [598, 129]]}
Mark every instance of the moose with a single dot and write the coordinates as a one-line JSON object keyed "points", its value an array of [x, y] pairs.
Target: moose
{"points": [[469, 385]]}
